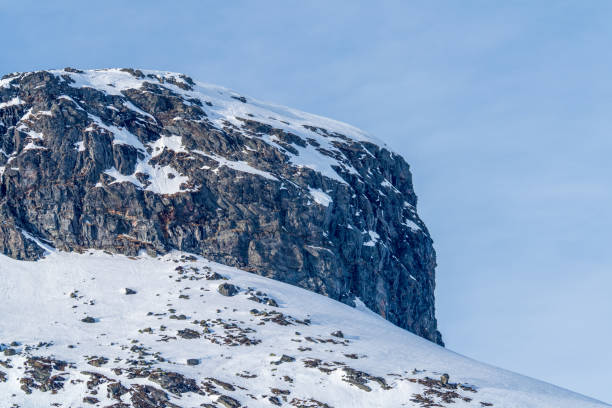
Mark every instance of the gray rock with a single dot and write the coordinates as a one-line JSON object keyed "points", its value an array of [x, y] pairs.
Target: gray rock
{"points": [[228, 402], [214, 276], [284, 359], [115, 390], [227, 289], [188, 334], [174, 382], [98, 361], [444, 379]]}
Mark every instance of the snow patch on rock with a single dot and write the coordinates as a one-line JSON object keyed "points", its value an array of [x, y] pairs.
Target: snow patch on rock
{"points": [[13, 102], [320, 196]]}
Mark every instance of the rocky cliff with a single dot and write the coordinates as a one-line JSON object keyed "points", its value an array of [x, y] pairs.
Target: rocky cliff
{"points": [[126, 160]]}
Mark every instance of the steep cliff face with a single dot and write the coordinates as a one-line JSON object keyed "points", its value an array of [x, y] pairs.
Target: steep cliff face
{"points": [[129, 160]]}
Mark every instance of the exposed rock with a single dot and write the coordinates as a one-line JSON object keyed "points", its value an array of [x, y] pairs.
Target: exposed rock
{"points": [[444, 379], [188, 334], [146, 396], [98, 361], [360, 379], [311, 403], [214, 276], [115, 390], [228, 402], [223, 384], [227, 289], [284, 359], [173, 382], [40, 374]]}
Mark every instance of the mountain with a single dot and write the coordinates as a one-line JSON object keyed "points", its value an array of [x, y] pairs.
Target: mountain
{"points": [[166, 243], [126, 161], [104, 330]]}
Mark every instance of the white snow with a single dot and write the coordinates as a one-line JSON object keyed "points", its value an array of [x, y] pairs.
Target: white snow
{"points": [[122, 178], [173, 143], [112, 81], [45, 301], [32, 146], [48, 249], [374, 237], [6, 83], [387, 183], [160, 182], [411, 224], [120, 135], [318, 248], [236, 165], [80, 146], [135, 108], [13, 102], [31, 133], [320, 196], [67, 98]]}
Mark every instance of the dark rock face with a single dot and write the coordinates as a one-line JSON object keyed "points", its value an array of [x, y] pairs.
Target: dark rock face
{"points": [[126, 161]]}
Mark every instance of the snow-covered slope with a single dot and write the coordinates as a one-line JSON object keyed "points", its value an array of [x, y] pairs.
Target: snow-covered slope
{"points": [[72, 335]]}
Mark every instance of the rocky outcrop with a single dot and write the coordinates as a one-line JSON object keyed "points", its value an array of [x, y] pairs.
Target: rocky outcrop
{"points": [[129, 161]]}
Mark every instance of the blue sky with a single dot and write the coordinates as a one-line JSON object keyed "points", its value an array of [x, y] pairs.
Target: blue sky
{"points": [[501, 108]]}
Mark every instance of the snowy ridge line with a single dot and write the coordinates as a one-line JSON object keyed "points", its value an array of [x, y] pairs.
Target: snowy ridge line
{"points": [[320, 137], [115, 80], [224, 106]]}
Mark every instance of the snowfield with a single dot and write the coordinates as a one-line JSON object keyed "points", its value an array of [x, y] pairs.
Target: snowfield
{"points": [[96, 329]]}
